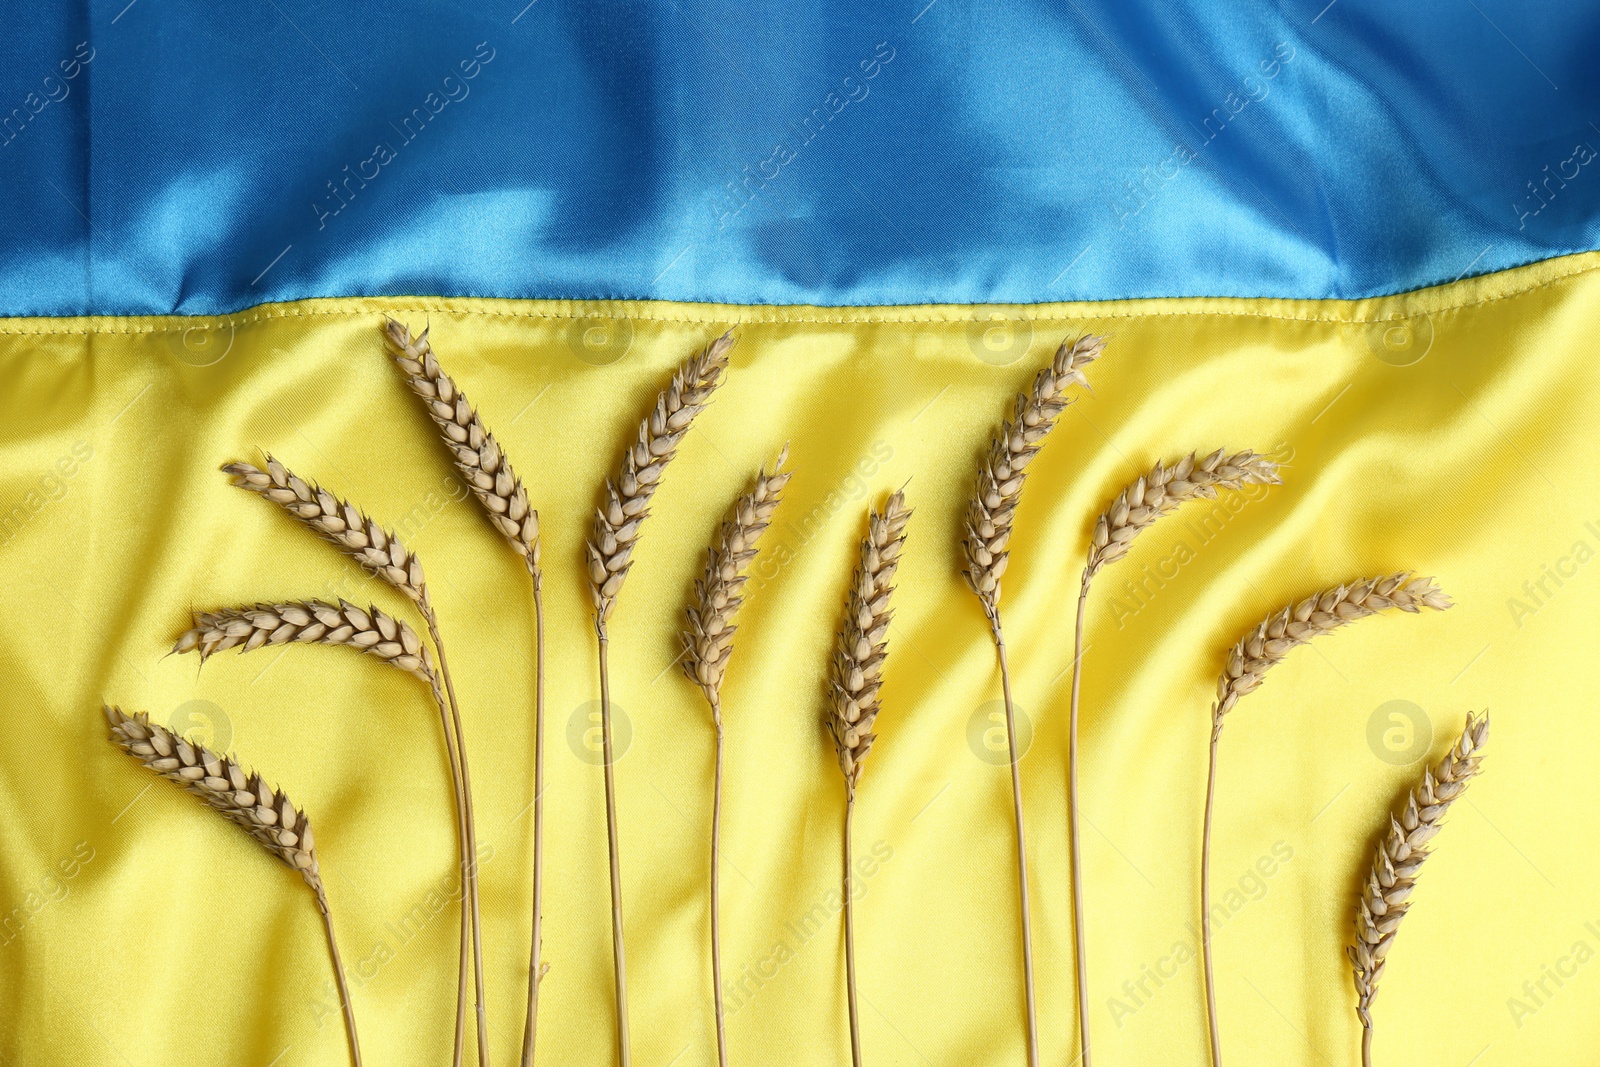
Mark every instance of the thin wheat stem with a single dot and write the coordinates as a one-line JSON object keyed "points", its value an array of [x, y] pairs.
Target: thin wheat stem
{"points": [[1205, 900], [338, 974], [1022, 839], [850, 935], [1366, 1045], [716, 907], [536, 968], [462, 860], [469, 846], [1073, 833], [619, 959]]}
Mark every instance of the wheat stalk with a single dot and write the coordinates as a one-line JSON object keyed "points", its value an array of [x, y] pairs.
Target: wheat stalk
{"points": [[371, 630], [384, 557], [990, 516], [1250, 659], [1154, 494], [247, 801], [707, 646], [1386, 897], [487, 471], [617, 523], [857, 676]]}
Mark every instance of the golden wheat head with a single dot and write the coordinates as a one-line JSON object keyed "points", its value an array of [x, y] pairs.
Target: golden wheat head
{"points": [[244, 799], [371, 630], [374, 547], [627, 497], [992, 511], [1163, 489], [478, 456], [708, 642], [1317, 614], [864, 639], [1386, 897]]}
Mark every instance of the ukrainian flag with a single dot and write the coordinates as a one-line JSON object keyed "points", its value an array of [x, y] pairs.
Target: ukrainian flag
{"points": [[1362, 239]]}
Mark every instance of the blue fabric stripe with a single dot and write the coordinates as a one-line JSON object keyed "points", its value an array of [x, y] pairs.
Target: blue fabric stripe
{"points": [[207, 157]]}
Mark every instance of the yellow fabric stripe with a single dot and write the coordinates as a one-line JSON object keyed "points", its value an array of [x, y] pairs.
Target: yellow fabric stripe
{"points": [[1444, 431]]}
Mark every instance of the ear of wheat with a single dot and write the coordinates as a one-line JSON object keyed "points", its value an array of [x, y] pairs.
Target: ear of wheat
{"points": [[707, 646], [627, 497], [857, 677], [374, 547], [477, 455], [992, 511], [708, 642], [1317, 614], [1248, 662], [371, 630], [384, 557], [1154, 494], [486, 469], [1387, 895], [617, 523], [1163, 489], [245, 800], [990, 516]]}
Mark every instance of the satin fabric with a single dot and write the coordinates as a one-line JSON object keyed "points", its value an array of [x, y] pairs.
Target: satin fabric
{"points": [[1433, 432], [833, 153]]}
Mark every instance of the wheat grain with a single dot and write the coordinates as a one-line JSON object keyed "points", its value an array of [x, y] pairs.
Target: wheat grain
{"points": [[371, 630], [1298, 623], [245, 800], [1250, 659], [374, 547], [1386, 897], [1001, 473], [708, 642], [627, 497], [864, 639], [707, 646], [483, 464], [478, 456], [1165, 488]]}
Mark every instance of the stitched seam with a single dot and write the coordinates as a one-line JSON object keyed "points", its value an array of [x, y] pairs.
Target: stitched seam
{"points": [[587, 310]]}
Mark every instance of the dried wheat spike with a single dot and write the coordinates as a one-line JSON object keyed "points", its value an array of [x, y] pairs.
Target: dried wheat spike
{"points": [[369, 629], [627, 499], [339, 521], [708, 642], [261, 811], [1000, 474], [1328, 610], [864, 640], [477, 454], [1164, 489], [1387, 895]]}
